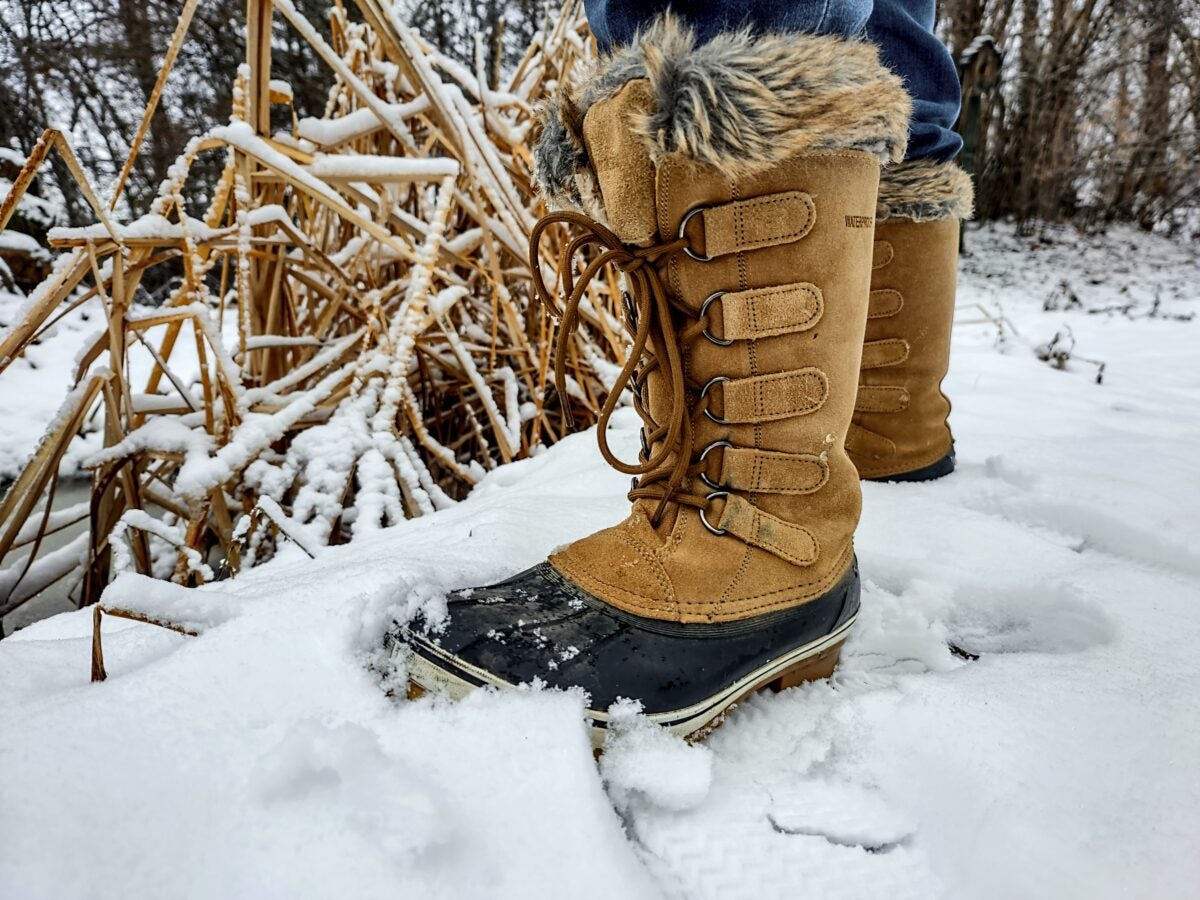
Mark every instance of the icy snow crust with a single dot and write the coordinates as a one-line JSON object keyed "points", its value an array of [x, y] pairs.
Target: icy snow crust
{"points": [[263, 759]]}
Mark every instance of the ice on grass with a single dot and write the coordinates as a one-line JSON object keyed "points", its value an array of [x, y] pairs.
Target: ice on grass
{"points": [[360, 167], [150, 226], [332, 132]]}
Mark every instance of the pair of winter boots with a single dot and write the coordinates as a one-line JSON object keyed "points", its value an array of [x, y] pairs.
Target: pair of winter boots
{"points": [[790, 320]]}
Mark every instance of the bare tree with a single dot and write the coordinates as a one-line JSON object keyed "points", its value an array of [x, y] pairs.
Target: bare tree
{"points": [[1097, 117]]}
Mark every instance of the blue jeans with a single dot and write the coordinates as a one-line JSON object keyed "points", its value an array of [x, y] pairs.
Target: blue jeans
{"points": [[903, 30]]}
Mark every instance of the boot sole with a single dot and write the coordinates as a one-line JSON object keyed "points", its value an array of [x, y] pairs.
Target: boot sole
{"points": [[931, 472], [810, 662]]}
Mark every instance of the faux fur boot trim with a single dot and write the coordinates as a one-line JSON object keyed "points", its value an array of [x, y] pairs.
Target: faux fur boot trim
{"points": [[561, 166], [740, 102], [925, 191]]}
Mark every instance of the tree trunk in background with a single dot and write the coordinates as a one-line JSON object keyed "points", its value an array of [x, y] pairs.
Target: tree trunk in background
{"points": [[162, 142], [1155, 118], [1021, 153], [1117, 192], [966, 24]]}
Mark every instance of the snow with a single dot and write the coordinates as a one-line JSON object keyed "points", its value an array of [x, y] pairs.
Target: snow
{"points": [[42, 572], [281, 88], [174, 535], [976, 45], [242, 136], [362, 167], [18, 242], [264, 758], [263, 341], [332, 132], [645, 767], [441, 302], [38, 212], [151, 226], [295, 532], [33, 388]]}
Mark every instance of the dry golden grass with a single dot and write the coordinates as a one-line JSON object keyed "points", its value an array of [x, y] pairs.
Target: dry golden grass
{"points": [[358, 299]]}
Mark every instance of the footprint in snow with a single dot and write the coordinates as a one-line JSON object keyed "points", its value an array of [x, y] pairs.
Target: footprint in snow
{"points": [[843, 814], [1033, 618]]}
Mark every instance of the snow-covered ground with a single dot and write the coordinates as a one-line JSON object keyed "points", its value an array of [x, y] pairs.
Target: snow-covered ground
{"points": [[34, 386], [1056, 754]]}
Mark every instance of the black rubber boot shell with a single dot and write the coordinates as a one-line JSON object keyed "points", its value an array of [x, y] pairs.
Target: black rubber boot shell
{"points": [[538, 627]]}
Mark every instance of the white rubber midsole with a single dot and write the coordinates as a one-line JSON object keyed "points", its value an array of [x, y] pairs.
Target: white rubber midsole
{"points": [[683, 722]]}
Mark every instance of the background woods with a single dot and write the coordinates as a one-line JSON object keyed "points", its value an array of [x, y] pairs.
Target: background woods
{"points": [[89, 67], [1093, 117]]}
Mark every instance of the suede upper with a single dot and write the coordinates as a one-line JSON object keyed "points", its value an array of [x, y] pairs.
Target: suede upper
{"points": [[900, 415], [788, 227], [761, 154]]}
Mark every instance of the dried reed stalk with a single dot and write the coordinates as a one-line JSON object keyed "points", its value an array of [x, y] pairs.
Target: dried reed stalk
{"points": [[358, 297]]}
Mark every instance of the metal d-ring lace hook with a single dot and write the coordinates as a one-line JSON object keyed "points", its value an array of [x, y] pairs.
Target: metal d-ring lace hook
{"points": [[716, 379], [716, 295], [683, 227], [704, 519], [704, 454]]}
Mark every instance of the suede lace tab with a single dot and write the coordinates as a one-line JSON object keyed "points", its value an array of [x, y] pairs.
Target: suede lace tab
{"points": [[765, 398], [755, 223], [868, 444], [768, 312], [884, 353], [787, 540], [884, 303], [874, 398], [882, 253], [771, 472]]}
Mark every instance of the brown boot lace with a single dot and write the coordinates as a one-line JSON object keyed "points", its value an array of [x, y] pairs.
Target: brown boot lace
{"points": [[655, 339]]}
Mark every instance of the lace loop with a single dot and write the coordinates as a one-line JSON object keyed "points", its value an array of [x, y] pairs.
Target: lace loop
{"points": [[655, 338]]}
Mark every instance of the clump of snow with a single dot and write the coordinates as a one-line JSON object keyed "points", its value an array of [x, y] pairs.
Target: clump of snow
{"points": [[645, 765], [148, 226], [173, 604], [21, 243], [372, 168]]}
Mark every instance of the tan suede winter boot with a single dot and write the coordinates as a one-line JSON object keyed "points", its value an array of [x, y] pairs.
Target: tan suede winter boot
{"points": [[734, 186], [900, 431]]}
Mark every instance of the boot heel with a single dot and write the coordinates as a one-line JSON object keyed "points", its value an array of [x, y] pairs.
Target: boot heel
{"points": [[812, 669]]}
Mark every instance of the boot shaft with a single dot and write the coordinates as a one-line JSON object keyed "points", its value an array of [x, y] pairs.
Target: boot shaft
{"points": [[768, 304], [900, 424]]}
